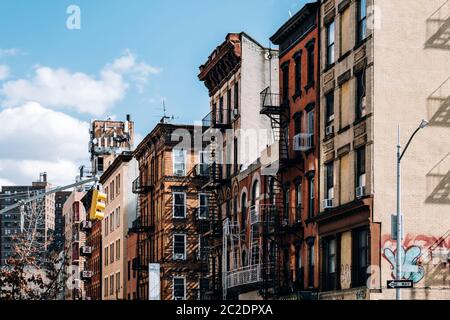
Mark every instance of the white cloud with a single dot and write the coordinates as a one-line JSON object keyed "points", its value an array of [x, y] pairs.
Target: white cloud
{"points": [[60, 88], [4, 72], [10, 52], [5, 182], [35, 139]]}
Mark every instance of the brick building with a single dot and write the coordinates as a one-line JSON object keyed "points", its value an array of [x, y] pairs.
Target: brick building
{"points": [[172, 208], [297, 110]]}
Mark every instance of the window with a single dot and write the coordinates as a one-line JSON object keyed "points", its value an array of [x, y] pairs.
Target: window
{"points": [[179, 288], [106, 256], [221, 110], [329, 168], [298, 268], [118, 184], [118, 249], [360, 94], [111, 190], [298, 74], [255, 192], [235, 155], [361, 167], [298, 202], [330, 264], [111, 221], [229, 106], [361, 256], [236, 95], [111, 253], [179, 247], [361, 20], [111, 285], [310, 64], [311, 264], [243, 211], [330, 43], [118, 282], [311, 198], [310, 118], [203, 206], [285, 71], [329, 103], [129, 270], [345, 35], [286, 205], [179, 205], [235, 209], [106, 286], [179, 162], [118, 217], [204, 163]]}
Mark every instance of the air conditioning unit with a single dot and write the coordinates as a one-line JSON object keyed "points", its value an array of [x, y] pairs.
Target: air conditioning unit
{"points": [[178, 256], [86, 274], [329, 130], [303, 142], [360, 191], [235, 113], [328, 203], [179, 172], [178, 298]]}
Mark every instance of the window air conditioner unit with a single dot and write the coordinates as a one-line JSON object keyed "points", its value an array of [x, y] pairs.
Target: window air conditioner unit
{"points": [[328, 203], [178, 298], [329, 130], [360, 192], [179, 172], [178, 256]]}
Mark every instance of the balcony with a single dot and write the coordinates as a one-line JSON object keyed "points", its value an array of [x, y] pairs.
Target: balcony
{"points": [[303, 142], [139, 187], [86, 226], [438, 28], [219, 173], [249, 275], [264, 213], [271, 103], [217, 119], [85, 251]]}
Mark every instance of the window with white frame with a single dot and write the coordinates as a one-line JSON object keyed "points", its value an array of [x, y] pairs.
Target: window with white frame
{"points": [[179, 247], [179, 205], [179, 162], [330, 43], [179, 288], [203, 212], [118, 217]]}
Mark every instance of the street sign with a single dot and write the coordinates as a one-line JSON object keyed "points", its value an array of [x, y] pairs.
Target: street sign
{"points": [[394, 284]]}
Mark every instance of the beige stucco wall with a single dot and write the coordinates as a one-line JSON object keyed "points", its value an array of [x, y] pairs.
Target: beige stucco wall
{"points": [[405, 75]]}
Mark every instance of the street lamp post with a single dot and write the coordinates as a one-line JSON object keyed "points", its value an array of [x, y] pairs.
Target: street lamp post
{"points": [[399, 226]]}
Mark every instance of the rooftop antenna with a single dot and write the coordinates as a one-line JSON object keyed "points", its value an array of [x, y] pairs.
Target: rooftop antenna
{"points": [[290, 13], [166, 118]]}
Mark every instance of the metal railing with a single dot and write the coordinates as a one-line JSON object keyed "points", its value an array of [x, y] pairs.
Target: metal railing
{"points": [[303, 142], [270, 102], [244, 276], [139, 187]]}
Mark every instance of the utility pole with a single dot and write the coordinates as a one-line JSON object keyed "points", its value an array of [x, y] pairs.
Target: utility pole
{"points": [[399, 220]]}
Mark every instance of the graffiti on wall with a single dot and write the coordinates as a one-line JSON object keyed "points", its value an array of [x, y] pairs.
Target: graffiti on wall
{"points": [[417, 251]]}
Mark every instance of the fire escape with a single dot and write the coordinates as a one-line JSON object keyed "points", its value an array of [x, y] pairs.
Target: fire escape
{"points": [[438, 28], [143, 226], [286, 218]]}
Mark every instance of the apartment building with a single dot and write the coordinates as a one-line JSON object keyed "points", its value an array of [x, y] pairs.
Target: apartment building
{"points": [[74, 215], [108, 139], [172, 209], [38, 215], [235, 74], [119, 213], [131, 260], [296, 107], [59, 233], [384, 64]]}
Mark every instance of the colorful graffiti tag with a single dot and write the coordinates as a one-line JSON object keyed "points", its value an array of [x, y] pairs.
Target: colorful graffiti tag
{"points": [[410, 268], [417, 250]]}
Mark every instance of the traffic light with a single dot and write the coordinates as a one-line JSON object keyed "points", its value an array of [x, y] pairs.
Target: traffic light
{"points": [[98, 205]]}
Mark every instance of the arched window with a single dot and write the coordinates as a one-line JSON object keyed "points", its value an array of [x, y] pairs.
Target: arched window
{"points": [[255, 192], [243, 211]]}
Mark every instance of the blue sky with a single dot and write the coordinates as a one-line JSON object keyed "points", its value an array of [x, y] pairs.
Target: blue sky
{"points": [[168, 39]]}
